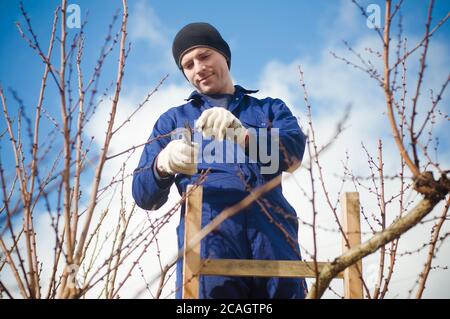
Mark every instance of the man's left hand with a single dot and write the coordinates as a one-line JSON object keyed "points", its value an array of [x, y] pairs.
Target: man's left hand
{"points": [[221, 123]]}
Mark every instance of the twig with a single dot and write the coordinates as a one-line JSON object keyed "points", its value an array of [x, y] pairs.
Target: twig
{"points": [[419, 83], [389, 96], [427, 267], [142, 103]]}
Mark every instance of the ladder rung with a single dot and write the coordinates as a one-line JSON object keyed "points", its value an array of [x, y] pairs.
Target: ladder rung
{"points": [[260, 268]]}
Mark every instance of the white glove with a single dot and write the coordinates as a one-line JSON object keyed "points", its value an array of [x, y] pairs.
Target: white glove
{"points": [[178, 156], [221, 123]]}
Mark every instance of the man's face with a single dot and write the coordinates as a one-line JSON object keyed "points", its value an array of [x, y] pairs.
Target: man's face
{"points": [[207, 70]]}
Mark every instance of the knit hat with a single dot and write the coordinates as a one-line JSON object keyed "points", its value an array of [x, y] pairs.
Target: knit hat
{"points": [[199, 34]]}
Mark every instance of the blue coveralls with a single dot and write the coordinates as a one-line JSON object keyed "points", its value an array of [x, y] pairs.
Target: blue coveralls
{"points": [[252, 233]]}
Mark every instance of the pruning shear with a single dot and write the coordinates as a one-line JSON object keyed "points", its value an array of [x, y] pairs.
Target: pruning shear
{"points": [[188, 134]]}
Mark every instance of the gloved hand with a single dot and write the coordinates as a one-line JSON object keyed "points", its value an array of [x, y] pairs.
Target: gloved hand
{"points": [[216, 120], [179, 156]]}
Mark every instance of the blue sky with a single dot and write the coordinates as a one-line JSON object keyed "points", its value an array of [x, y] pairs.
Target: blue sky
{"points": [[258, 31], [268, 39]]}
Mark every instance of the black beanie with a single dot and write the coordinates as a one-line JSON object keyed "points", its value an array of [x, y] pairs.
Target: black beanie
{"points": [[199, 34]]}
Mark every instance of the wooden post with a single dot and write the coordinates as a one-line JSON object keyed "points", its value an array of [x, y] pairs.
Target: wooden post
{"points": [[353, 287], [191, 257]]}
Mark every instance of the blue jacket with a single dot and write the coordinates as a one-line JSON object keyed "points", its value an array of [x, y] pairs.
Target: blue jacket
{"points": [[250, 234], [266, 113]]}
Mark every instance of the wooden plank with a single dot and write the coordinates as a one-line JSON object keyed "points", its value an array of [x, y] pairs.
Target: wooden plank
{"points": [[353, 287], [260, 268], [191, 258]]}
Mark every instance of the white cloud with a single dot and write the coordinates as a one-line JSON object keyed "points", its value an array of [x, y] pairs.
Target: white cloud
{"points": [[348, 20], [147, 26]]}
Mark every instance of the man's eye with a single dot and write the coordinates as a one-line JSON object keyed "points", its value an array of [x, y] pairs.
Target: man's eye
{"points": [[188, 66]]}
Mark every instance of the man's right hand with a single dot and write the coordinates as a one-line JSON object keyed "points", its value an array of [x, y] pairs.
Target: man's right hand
{"points": [[178, 157]]}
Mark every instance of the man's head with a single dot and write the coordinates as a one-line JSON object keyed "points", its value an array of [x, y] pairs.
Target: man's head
{"points": [[204, 57]]}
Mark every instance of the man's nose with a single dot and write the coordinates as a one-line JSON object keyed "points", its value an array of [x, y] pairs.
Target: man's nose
{"points": [[199, 67]]}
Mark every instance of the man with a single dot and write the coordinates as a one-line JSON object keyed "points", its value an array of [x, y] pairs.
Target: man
{"points": [[238, 132]]}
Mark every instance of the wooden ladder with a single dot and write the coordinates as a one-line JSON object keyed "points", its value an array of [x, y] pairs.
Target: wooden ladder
{"points": [[194, 266]]}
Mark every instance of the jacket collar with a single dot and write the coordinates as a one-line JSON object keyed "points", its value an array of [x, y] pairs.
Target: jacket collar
{"points": [[239, 92]]}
